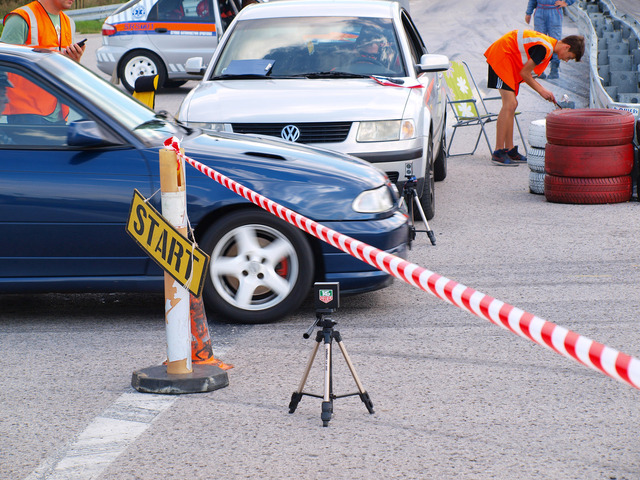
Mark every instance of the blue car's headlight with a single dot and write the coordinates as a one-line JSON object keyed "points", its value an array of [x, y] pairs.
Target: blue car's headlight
{"points": [[377, 200]]}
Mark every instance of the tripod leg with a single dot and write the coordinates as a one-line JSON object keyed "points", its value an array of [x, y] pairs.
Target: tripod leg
{"points": [[430, 233], [364, 396], [297, 395], [327, 399]]}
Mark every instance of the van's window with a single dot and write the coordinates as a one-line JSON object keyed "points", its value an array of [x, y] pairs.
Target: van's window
{"points": [[196, 11]]}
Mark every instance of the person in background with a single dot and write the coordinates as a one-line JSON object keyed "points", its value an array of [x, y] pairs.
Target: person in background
{"points": [[41, 24], [4, 84], [513, 59], [547, 19]]}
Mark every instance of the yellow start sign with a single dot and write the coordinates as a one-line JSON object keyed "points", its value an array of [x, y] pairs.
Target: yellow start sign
{"points": [[177, 255]]}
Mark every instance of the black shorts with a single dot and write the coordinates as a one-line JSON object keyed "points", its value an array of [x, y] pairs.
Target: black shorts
{"points": [[494, 81]]}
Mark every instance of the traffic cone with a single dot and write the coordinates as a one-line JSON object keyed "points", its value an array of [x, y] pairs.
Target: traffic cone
{"points": [[201, 350]]}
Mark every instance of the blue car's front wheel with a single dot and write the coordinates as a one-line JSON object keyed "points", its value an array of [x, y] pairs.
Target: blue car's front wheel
{"points": [[261, 267]]}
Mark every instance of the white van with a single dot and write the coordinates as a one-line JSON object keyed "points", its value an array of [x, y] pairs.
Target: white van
{"points": [[156, 37]]}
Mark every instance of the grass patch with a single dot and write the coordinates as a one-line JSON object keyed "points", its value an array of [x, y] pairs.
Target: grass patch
{"points": [[89, 26]]}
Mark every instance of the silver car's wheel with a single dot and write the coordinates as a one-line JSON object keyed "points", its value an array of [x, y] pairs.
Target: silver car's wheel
{"points": [[261, 267], [138, 64]]}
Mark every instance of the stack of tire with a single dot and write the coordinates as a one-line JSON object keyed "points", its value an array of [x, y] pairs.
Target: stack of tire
{"points": [[589, 156], [535, 156]]}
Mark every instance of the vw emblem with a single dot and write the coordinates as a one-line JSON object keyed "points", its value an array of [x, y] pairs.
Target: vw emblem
{"points": [[290, 133]]}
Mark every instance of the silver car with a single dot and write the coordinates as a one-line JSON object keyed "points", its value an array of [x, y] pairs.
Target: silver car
{"points": [[156, 37], [352, 76]]}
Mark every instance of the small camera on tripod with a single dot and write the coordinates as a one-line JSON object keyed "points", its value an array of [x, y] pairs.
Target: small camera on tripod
{"points": [[326, 296]]}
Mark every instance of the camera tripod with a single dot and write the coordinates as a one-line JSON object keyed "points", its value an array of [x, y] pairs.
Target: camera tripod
{"points": [[410, 198], [328, 334]]}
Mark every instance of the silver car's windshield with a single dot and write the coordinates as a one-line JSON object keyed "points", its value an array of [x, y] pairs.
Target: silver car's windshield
{"points": [[133, 115], [310, 46]]}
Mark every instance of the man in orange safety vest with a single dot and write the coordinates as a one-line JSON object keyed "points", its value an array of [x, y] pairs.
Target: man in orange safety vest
{"points": [[515, 58], [42, 24]]}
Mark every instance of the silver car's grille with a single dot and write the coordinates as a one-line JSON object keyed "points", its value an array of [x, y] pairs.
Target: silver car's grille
{"points": [[330, 132]]}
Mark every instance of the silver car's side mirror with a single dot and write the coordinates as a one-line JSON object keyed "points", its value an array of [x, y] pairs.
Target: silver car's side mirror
{"points": [[432, 62], [195, 66]]}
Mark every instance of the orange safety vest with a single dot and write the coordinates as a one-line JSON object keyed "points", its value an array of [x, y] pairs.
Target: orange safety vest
{"points": [[25, 97], [509, 53]]}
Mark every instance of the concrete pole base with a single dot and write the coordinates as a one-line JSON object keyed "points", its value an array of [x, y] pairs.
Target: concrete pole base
{"points": [[203, 378]]}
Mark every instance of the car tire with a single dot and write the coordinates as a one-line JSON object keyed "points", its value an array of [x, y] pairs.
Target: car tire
{"points": [[138, 63], [537, 133], [536, 183], [241, 245], [440, 163], [589, 162], [597, 127], [587, 190], [428, 195], [536, 159]]}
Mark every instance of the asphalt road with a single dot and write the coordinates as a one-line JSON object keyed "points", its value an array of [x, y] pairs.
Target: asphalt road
{"points": [[454, 396]]}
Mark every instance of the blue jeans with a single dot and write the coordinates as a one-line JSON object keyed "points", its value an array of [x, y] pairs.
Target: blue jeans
{"points": [[549, 22]]}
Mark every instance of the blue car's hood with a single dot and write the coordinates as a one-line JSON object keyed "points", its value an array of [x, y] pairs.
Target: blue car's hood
{"points": [[296, 176]]}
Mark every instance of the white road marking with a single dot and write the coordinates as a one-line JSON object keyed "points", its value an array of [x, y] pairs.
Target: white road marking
{"points": [[106, 437]]}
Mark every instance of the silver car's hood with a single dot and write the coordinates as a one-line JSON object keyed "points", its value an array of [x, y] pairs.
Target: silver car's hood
{"points": [[317, 100]]}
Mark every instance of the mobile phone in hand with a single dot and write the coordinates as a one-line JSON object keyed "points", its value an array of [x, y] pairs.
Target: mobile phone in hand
{"points": [[81, 43]]}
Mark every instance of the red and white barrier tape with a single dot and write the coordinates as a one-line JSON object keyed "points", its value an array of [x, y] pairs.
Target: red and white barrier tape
{"points": [[590, 353]]}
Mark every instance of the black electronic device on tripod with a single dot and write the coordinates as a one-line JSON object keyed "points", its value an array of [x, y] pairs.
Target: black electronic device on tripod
{"points": [[410, 198], [327, 300]]}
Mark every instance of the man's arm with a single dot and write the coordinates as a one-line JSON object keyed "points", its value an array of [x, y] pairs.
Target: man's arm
{"points": [[527, 75], [15, 30], [531, 6]]}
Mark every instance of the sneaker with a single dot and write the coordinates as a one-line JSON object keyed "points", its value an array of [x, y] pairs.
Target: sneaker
{"points": [[500, 157], [542, 76], [515, 156]]}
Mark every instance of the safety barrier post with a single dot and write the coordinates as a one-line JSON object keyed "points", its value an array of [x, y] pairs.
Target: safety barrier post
{"points": [[201, 349], [179, 375]]}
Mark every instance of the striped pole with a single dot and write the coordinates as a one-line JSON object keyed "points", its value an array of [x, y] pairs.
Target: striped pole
{"points": [[589, 353], [177, 298]]}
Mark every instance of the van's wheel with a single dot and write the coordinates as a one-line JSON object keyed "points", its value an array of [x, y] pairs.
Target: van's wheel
{"points": [[428, 196], [139, 63], [261, 267]]}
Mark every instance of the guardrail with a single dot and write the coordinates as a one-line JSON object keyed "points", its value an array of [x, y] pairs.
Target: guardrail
{"points": [[93, 13], [592, 17]]}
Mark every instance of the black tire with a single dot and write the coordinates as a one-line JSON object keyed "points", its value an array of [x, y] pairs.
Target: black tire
{"points": [[440, 163], [138, 63], [252, 265], [428, 195]]}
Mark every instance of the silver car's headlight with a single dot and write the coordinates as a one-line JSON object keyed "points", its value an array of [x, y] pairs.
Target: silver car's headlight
{"points": [[214, 127], [377, 200], [386, 130]]}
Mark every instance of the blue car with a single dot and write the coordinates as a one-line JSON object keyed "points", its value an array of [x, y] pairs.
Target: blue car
{"points": [[67, 177]]}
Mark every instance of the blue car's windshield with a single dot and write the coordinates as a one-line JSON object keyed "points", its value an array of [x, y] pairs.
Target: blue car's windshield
{"points": [[120, 106]]}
